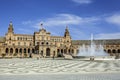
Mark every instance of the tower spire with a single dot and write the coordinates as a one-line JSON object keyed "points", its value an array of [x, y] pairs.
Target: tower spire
{"points": [[10, 28], [66, 32]]}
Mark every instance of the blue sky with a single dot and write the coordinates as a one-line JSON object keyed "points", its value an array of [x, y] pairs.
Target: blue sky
{"points": [[83, 17]]}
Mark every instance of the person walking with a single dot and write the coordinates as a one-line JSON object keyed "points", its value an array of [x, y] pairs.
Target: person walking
{"points": [[53, 55]]}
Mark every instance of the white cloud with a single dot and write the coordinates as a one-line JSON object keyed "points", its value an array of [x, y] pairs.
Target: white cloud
{"points": [[108, 36], [114, 19], [82, 1], [63, 19], [67, 19], [60, 20]]}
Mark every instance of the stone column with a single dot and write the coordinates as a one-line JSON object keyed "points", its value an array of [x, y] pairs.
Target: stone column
{"points": [[56, 52], [67, 50], [51, 52], [9, 51], [27, 50], [44, 51], [60, 51], [63, 50], [13, 52], [22, 52]]}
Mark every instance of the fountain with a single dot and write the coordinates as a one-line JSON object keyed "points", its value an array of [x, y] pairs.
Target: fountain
{"points": [[93, 51]]}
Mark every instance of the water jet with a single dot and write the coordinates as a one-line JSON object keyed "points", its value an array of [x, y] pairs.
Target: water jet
{"points": [[93, 52]]}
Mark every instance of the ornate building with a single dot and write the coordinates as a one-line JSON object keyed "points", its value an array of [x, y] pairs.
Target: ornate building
{"points": [[42, 44]]}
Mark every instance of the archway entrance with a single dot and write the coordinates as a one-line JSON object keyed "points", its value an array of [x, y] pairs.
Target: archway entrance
{"points": [[109, 51], [16, 50], [11, 50], [7, 50], [113, 51], [118, 50], [48, 52]]}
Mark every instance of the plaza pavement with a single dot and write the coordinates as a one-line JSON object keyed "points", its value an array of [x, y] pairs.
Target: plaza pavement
{"points": [[58, 69]]}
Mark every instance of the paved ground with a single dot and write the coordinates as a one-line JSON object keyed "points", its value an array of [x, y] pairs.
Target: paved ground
{"points": [[98, 76], [48, 69]]}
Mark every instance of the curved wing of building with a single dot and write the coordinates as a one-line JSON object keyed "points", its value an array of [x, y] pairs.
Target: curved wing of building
{"points": [[42, 44]]}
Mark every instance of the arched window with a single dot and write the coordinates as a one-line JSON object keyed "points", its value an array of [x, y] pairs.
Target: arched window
{"points": [[47, 43], [118, 51], [20, 50], [109, 51], [61, 50], [58, 51], [17, 38], [11, 50], [20, 38], [42, 43], [7, 50], [72, 50], [113, 51], [16, 50], [26, 38], [10, 38], [24, 50], [33, 51], [69, 51], [48, 52], [28, 50]]}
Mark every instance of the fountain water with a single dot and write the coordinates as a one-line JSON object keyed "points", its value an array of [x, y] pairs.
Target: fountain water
{"points": [[92, 49]]}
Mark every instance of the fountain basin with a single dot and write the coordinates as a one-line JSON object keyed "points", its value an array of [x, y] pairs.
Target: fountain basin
{"points": [[94, 57]]}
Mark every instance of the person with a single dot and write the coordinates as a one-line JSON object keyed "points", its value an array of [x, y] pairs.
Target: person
{"points": [[37, 58], [53, 55]]}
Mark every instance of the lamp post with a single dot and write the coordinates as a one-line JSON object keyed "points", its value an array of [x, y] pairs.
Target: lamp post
{"points": [[42, 38]]}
